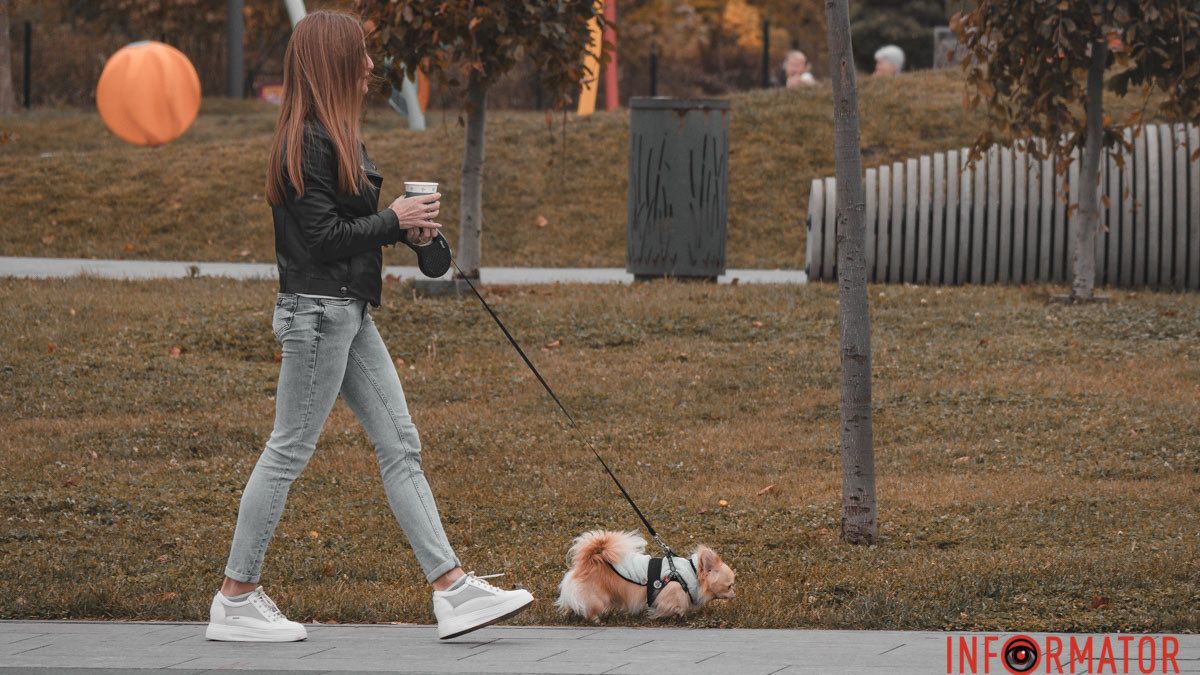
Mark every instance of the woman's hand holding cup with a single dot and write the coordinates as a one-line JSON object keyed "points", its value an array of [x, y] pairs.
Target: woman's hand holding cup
{"points": [[417, 215]]}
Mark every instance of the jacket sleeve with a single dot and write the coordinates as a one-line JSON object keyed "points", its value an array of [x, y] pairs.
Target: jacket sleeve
{"points": [[327, 235]]}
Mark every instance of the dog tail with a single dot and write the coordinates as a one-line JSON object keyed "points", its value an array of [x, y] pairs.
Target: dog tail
{"points": [[603, 548], [589, 557]]}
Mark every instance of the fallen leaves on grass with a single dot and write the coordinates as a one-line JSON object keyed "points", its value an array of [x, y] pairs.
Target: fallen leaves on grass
{"points": [[541, 221]]}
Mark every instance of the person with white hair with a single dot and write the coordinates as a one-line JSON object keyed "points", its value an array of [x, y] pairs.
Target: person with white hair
{"points": [[796, 70], [889, 60]]}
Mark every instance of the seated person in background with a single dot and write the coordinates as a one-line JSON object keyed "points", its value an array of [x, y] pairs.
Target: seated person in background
{"points": [[889, 60], [796, 70]]}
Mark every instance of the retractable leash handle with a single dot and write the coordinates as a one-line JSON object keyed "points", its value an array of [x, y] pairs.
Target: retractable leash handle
{"points": [[667, 552]]}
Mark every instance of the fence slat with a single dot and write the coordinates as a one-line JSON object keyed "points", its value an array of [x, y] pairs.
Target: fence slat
{"points": [[1112, 222], [1166, 271], [1004, 225], [812, 247], [894, 260], [1153, 203], [883, 244], [924, 192], [980, 197], [1098, 239], [1128, 203], [1193, 264], [938, 222], [962, 268], [1139, 210], [1035, 210], [909, 265], [830, 250], [869, 222], [1020, 172], [949, 250], [1179, 279], [991, 245], [1045, 246], [1058, 234], [1072, 220]]}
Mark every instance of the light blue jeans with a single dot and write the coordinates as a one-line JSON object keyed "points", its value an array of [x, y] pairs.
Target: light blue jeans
{"points": [[331, 346]]}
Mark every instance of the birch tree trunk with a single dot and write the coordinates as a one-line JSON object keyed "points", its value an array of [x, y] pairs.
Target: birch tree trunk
{"points": [[1084, 263], [858, 459], [471, 202], [295, 10], [8, 96]]}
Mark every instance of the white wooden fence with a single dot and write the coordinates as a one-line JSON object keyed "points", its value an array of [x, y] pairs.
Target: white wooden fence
{"points": [[942, 220]]}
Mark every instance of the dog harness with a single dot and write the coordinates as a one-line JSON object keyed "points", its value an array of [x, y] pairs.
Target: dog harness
{"points": [[645, 570]]}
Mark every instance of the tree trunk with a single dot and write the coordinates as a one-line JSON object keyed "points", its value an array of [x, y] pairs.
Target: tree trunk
{"points": [[8, 96], [412, 100], [1084, 263], [471, 203], [235, 39], [295, 10], [858, 459]]}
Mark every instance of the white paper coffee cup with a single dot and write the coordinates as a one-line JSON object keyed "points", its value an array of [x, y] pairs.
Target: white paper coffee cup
{"points": [[414, 188]]}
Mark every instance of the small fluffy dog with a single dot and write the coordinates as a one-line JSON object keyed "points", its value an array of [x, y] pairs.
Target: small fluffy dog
{"points": [[610, 570]]}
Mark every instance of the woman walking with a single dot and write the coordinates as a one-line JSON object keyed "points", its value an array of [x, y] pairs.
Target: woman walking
{"points": [[324, 194]]}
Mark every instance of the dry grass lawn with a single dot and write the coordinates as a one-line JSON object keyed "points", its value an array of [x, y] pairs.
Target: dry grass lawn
{"points": [[72, 189], [1039, 465]]}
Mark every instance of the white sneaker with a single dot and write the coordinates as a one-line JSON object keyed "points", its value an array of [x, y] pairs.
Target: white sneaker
{"points": [[254, 619], [474, 604]]}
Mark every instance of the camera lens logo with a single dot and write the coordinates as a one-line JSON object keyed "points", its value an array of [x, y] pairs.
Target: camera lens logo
{"points": [[1020, 654]]}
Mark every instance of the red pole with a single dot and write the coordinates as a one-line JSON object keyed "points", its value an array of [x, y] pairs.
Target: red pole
{"points": [[612, 98]]}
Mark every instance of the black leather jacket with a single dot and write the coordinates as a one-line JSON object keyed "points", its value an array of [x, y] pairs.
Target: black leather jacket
{"points": [[328, 243]]}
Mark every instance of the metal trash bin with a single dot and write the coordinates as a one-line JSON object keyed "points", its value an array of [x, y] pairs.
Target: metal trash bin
{"points": [[678, 187]]}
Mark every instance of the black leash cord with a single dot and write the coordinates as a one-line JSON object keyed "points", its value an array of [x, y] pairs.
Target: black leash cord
{"points": [[570, 418]]}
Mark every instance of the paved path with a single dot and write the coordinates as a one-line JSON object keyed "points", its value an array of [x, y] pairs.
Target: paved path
{"points": [[78, 646], [44, 268]]}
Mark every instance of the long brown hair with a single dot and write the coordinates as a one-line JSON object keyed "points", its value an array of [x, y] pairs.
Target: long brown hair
{"points": [[322, 74]]}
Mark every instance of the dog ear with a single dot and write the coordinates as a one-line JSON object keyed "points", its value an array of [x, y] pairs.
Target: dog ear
{"points": [[706, 559]]}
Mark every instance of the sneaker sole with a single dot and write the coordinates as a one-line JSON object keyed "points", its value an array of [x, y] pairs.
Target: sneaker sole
{"points": [[246, 634], [483, 618]]}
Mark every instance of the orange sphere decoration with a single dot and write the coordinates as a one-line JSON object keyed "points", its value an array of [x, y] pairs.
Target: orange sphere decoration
{"points": [[149, 93]]}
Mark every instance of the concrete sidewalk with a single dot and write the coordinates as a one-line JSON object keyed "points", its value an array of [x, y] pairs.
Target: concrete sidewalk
{"points": [[74, 646], [48, 268]]}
